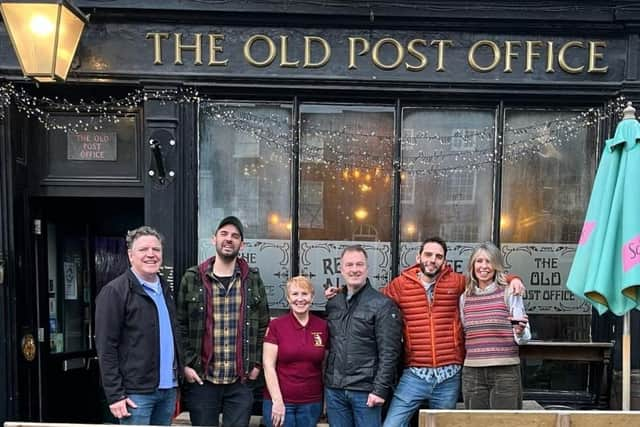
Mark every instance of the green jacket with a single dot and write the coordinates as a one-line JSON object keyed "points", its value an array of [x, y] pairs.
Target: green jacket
{"points": [[191, 317]]}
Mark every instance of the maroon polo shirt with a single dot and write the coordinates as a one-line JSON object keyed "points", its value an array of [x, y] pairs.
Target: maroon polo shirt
{"points": [[300, 354]]}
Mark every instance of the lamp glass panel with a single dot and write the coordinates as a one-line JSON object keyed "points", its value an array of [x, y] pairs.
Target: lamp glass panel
{"points": [[70, 31], [32, 29]]}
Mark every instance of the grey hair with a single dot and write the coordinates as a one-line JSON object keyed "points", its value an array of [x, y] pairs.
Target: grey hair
{"points": [[354, 248], [145, 230]]}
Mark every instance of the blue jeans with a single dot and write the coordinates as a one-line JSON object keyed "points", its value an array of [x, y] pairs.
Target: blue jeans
{"points": [[205, 403], [295, 415], [348, 408], [153, 408], [413, 391]]}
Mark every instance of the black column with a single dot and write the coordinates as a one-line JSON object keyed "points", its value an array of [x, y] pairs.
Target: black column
{"points": [[170, 169]]}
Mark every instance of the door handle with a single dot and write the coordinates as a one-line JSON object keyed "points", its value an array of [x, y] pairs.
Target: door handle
{"points": [[1, 271], [91, 362], [73, 363]]}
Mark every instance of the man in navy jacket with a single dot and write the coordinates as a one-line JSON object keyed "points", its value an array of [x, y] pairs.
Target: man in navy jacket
{"points": [[135, 337]]}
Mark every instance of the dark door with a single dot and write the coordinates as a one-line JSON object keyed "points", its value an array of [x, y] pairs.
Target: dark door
{"points": [[79, 247]]}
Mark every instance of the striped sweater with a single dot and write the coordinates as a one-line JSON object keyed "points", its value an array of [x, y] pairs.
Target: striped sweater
{"points": [[488, 331]]}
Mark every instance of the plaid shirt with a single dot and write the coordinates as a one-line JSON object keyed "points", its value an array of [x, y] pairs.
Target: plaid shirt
{"points": [[194, 326], [226, 313]]}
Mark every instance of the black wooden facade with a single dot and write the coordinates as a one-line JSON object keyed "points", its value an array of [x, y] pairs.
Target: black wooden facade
{"points": [[578, 53]]}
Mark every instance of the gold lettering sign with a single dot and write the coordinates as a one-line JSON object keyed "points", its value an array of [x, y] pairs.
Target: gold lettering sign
{"points": [[386, 53]]}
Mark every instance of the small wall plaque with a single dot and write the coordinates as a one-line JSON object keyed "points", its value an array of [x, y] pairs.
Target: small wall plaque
{"points": [[92, 146]]}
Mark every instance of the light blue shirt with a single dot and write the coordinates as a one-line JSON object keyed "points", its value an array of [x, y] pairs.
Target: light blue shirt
{"points": [[168, 377]]}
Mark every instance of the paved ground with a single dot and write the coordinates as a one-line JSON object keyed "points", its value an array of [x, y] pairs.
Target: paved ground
{"points": [[183, 420]]}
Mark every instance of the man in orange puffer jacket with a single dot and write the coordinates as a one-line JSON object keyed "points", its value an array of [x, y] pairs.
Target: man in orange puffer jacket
{"points": [[428, 294]]}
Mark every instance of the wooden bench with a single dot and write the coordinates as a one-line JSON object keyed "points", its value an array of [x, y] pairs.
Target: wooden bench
{"points": [[466, 418], [596, 354]]}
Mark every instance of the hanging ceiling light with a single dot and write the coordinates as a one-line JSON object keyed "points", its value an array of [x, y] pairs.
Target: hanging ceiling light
{"points": [[45, 35]]}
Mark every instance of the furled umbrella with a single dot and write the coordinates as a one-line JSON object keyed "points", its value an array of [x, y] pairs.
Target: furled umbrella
{"points": [[606, 266]]}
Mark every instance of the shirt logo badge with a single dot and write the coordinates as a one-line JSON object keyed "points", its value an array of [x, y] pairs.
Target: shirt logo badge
{"points": [[317, 339]]}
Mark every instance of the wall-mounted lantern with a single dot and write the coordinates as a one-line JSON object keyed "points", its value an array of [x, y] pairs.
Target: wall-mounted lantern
{"points": [[45, 35]]}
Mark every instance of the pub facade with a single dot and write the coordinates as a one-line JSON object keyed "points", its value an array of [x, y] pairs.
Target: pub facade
{"points": [[320, 125]]}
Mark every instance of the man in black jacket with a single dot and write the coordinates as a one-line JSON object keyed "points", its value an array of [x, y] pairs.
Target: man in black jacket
{"points": [[135, 337], [365, 330]]}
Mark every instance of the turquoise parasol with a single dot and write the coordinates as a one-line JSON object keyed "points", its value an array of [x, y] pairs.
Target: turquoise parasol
{"points": [[606, 266]]}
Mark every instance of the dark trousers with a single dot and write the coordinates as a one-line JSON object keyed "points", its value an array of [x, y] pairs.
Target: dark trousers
{"points": [[205, 403]]}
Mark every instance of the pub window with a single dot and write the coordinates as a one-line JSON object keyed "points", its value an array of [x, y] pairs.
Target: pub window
{"points": [[354, 170], [548, 170], [452, 174], [243, 170]]}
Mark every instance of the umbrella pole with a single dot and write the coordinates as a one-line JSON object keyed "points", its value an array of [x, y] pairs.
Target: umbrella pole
{"points": [[626, 362]]}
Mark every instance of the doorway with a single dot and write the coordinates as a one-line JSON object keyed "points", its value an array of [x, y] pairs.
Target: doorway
{"points": [[79, 247]]}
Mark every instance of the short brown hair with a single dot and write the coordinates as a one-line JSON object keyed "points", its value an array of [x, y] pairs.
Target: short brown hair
{"points": [[354, 248]]}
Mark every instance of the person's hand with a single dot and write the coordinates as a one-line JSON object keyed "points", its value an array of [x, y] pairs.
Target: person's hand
{"points": [[331, 292], [277, 414], [517, 287], [519, 327], [253, 375], [119, 408], [374, 400], [191, 376]]}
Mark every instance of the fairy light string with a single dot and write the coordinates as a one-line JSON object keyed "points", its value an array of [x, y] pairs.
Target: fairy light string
{"points": [[326, 146]]}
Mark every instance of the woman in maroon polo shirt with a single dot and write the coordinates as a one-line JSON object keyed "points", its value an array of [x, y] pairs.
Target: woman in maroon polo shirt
{"points": [[293, 356]]}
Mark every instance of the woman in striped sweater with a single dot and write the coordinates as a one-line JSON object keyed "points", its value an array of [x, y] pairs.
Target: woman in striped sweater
{"points": [[495, 323]]}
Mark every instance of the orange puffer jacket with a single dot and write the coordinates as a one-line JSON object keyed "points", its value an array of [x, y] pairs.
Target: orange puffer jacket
{"points": [[433, 333]]}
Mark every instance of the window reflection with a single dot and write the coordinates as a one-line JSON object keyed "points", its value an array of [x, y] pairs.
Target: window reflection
{"points": [[346, 155], [547, 176], [446, 180], [345, 191], [548, 171], [244, 170]]}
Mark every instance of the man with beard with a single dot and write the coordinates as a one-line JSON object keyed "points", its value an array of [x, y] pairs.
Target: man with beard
{"points": [[428, 294], [222, 316]]}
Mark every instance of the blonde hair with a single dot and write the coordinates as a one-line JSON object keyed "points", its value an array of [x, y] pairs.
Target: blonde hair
{"points": [[496, 260], [302, 282]]}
